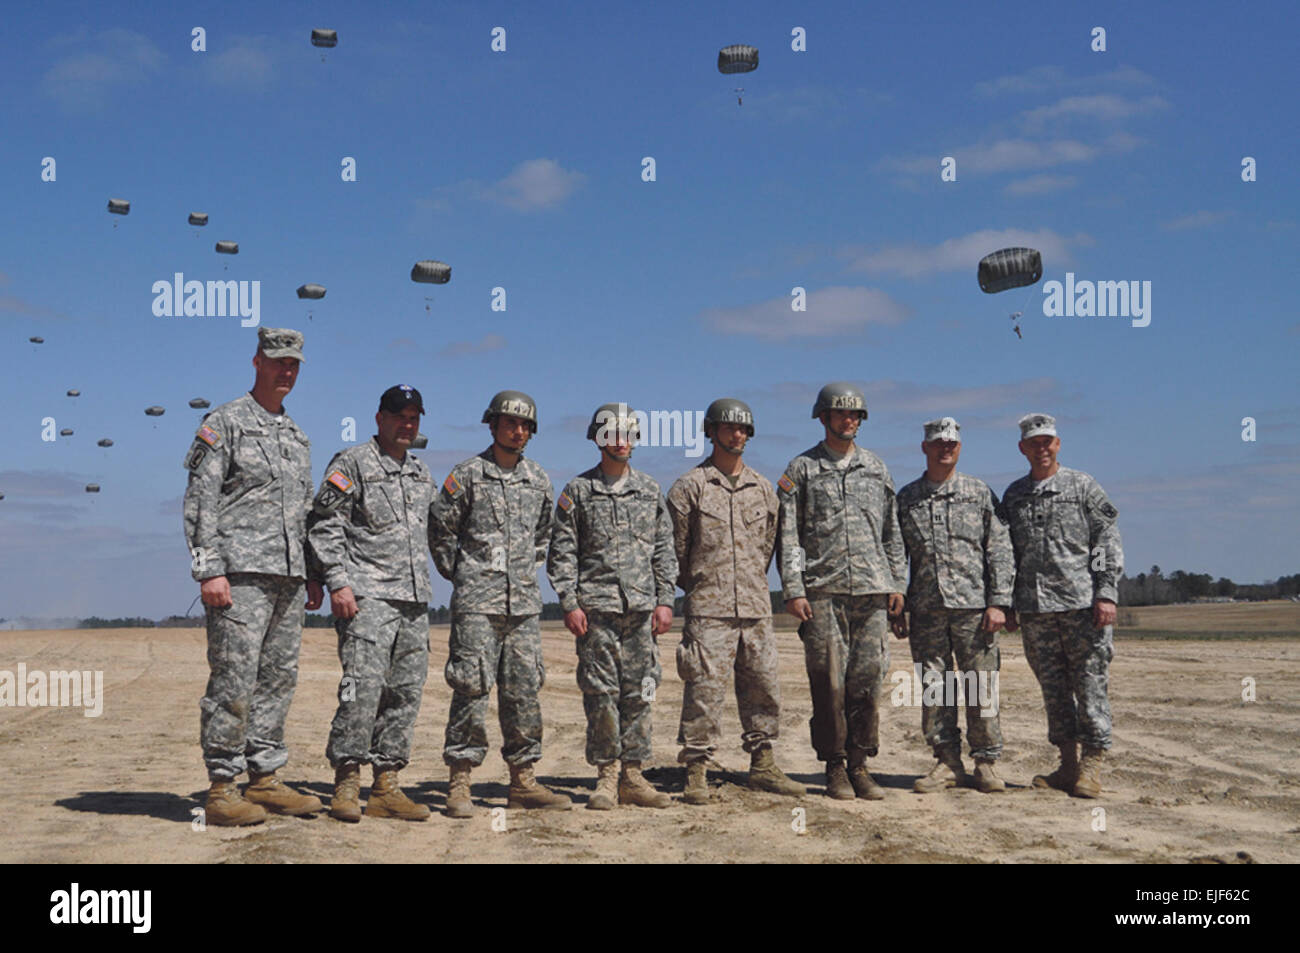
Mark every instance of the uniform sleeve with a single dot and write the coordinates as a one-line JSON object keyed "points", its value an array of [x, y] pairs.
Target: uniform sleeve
{"points": [[1105, 552], [542, 538], [315, 569], [999, 560], [208, 462], [891, 536], [562, 562], [447, 514], [769, 535], [789, 554], [330, 515], [665, 558], [679, 511]]}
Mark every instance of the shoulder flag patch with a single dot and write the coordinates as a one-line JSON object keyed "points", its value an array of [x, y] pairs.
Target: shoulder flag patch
{"points": [[451, 484], [786, 483], [564, 502], [340, 480], [209, 436]]}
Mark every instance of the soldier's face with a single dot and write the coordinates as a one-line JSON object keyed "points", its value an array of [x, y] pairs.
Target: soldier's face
{"points": [[1041, 451], [943, 453], [511, 432], [398, 429], [731, 437], [843, 423], [275, 373]]}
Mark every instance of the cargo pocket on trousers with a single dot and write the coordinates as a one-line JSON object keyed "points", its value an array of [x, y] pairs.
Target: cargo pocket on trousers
{"points": [[465, 675], [690, 664]]}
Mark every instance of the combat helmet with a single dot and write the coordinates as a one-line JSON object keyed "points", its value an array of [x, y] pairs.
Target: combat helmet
{"points": [[515, 403], [729, 410], [839, 395], [614, 416]]}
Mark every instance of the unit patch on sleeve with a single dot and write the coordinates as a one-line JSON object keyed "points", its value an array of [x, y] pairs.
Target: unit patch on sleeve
{"points": [[785, 483], [196, 455]]}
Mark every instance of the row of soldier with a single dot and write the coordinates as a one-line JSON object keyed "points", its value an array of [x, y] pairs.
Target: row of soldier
{"points": [[1045, 559]]}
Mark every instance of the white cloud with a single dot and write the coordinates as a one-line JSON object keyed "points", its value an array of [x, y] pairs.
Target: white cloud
{"points": [[534, 184], [117, 59], [1010, 155], [245, 62], [830, 311], [1106, 107], [962, 253]]}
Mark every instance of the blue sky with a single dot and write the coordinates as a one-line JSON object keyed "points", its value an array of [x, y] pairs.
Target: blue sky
{"points": [[523, 170]]}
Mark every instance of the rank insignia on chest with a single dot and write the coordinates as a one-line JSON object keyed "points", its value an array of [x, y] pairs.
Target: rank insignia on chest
{"points": [[340, 480], [564, 502], [786, 483], [451, 484], [209, 436]]}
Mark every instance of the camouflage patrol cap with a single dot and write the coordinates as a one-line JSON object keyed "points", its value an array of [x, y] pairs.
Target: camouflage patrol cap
{"points": [[729, 410], [614, 420], [945, 428], [1033, 425], [839, 395], [515, 403], [280, 342]]}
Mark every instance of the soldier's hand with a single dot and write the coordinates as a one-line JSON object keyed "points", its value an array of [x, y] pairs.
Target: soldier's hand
{"points": [[343, 603], [662, 620], [898, 625], [576, 622], [1013, 622], [1103, 613], [799, 608], [994, 619], [215, 592], [895, 603], [315, 594]]}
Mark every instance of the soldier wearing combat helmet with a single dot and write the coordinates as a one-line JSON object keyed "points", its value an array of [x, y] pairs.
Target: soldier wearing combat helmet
{"points": [[724, 531], [488, 532], [840, 555]]}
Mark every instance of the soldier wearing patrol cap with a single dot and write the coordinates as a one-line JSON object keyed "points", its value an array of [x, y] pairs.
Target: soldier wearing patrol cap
{"points": [[612, 565], [1068, 561], [840, 555], [488, 531], [369, 529], [959, 592], [246, 506], [724, 531]]}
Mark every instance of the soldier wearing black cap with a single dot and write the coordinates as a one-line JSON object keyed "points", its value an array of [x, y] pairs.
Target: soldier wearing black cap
{"points": [[369, 529]]}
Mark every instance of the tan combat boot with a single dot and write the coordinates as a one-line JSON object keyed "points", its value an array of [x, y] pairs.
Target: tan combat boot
{"points": [[1067, 772], [526, 792], [948, 771], [387, 800], [864, 785], [697, 782], [458, 800], [764, 775], [225, 807], [346, 803], [634, 789], [986, 777], [606, 796], [268, 791], [837, 781], [1089, 780]]}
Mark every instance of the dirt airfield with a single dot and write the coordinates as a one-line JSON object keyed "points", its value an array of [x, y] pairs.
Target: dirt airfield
{"points": [[1196, 774]]}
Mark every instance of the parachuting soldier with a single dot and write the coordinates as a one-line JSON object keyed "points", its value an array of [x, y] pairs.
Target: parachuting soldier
{"points": [[724, 517], [840, 555], [960, 588], [369, 529], [612, 565], [245, 508], [1068, 560], [488, 532]]}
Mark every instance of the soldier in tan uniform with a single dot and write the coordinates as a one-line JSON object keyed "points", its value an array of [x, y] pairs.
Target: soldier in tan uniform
{"points": [[724, 531]]}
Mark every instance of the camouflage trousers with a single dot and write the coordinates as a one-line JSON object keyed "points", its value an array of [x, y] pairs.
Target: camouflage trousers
{"points": [[936, 635], [618, 672], [710, 650], [1070, 657], [846, 653], [253, 658], [384, 650], [505, 650]]}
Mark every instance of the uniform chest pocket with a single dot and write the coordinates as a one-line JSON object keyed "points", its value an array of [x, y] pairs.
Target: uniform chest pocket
{"points": [[598, 514], [715, 507], [640, 515], [1065, 513], [916, 519], [966, 519], [525, 504], [864, 490], [381, 501], [253, 458], [825, 495], [754, 512]]}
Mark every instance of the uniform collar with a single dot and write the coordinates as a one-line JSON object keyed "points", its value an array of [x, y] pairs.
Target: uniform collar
{"points": [[494, 471], [388, 463], [712, 474], [598, 484], [824, 459]]}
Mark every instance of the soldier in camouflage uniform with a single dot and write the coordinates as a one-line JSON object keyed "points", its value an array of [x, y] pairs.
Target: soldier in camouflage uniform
{"points": [[488, 531], [960, 589], [724, 532], [612, 565], [840, 555], [1068, 561], [369, 529], [246, 507]]}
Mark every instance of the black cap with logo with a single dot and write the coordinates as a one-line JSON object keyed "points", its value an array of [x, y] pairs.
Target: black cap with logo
{"points": [[399, 397]]}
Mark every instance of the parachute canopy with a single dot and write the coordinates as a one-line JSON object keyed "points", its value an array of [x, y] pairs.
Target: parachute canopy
{"points": [[737, 59], [1010, 268], [198, 218], [74, 393], [92, 487], [36, 340], [420, 442], [198, 403], [65, 432], [227, 248], [324, 37], [431, 272], [106, 442], [311, 291], [119, 206], [155, 411]]}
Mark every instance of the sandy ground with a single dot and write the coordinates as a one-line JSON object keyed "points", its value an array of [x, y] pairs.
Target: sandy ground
{"points": [[1196, 773]]}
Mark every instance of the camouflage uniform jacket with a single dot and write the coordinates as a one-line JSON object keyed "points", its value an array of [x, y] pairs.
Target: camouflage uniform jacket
{"points": [[838, 530], [1066, 540], [248, 494], [724, 537], [612, 550], [957, 543], [488, 532], [369, 524]]}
